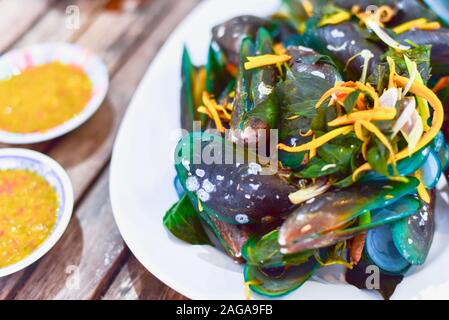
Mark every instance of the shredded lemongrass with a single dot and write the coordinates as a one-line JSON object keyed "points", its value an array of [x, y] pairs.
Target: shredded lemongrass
{"points": [[316, 143], [423, 106], [266, 60], [367, 56], [385, 37], [370, 115], [422, 192], [421, 24], [413, 74], [392, 66]]}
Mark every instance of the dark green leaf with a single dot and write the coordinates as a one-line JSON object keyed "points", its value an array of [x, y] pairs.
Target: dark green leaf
{"points": [[183, 222], [351, 101], [314, 169], [267, 111], [378, 157], [419, 54]]}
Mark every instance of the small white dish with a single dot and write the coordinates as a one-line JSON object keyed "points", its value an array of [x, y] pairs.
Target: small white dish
{"points": [[56, 176], [15, 61]]}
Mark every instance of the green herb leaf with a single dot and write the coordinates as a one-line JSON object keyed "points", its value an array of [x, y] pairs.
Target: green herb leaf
{"points": [[377, 157], [351, 101], [314, 169], [184, 223]]}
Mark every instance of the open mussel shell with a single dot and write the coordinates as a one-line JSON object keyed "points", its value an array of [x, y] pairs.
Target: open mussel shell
{"points": [[242, 100], [441, 8], [342, 42], [382, 252], [413, 235], [229, 182], [431, 170], [256, 110], [308, 61], [265, 252], [229, 35], [311, 225], [231, 237], [279, 281]]}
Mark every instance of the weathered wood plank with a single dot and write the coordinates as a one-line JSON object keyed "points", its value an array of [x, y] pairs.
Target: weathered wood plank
{"points": [[135, 282], [84, 160], [56, 25], [8, 284], [98, 133], [17, 17]]}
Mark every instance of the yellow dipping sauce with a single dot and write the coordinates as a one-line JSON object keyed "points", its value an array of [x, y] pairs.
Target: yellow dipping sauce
{"points": [[28, 212], [43, 97]]}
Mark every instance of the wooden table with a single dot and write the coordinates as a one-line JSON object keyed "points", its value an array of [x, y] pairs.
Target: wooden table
{"points": [[91, 261]]}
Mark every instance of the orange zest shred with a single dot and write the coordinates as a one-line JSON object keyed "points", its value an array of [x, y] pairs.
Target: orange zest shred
{"points": [[316, 143], [371, 114], [331, 91], [211, 106], [365, 148], [231, 69], [336, 18], [279, 49], [437, 121], [307, 134], [441, 84], [358, 129], [368, 88], [265, 60], [422, 192], [421, 24]]}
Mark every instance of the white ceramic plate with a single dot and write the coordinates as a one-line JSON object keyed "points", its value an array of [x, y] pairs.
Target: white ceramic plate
{"points": [[58, 179], [18, 60], [142, 184]]}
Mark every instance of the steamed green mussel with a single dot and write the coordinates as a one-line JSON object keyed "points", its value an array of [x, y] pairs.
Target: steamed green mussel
{"points": [[319, 141]]}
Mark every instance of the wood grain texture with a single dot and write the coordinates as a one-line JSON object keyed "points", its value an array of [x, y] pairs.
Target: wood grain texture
{"points": [[135, 282], [17, 17], [92, 243]]}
